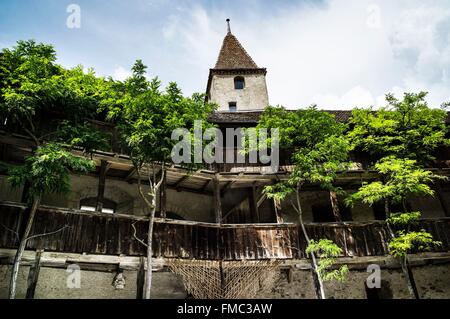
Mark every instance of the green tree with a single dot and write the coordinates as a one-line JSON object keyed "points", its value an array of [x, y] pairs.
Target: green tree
{"points": [[146, 116], [402, 178], [406, 128], [46, 171], [36, 94], [320, 152], [400, 139]]}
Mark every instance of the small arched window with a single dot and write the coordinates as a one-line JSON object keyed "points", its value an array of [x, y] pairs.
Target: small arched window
{"points": [[239, 83], [90, 205]]}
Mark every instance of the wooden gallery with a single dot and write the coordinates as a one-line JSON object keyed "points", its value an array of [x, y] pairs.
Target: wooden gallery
{"points": [[216, 233]]}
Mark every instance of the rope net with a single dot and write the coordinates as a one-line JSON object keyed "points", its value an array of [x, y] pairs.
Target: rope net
{"points": [[226, 279]]}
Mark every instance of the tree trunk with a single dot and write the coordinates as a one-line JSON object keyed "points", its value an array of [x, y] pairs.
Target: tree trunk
{"points": [[148, 284], [403, 263], [320, 289], [409, 282], [154, 188], [21, 248]]}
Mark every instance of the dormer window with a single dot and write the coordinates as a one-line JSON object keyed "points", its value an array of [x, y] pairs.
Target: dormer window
{"points": [[239, 83], [232, 106]]}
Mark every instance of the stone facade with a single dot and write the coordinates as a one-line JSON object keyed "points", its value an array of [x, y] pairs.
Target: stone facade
{"points": [[253, 97], [432, 282]]}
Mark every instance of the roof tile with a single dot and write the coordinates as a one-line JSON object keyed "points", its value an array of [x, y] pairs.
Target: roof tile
{"points": [[233, 56]]}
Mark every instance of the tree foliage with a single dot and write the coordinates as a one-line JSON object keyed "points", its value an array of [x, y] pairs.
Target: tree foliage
{"points": [[147, 115], [328, 251], [406, 128], [402, 178], [410, 242], [316, 139], [48, 170], [36, 93]]}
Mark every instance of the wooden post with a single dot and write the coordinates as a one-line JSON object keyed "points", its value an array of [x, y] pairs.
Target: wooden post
{"points": [[101, 185], [163, 199], [335, 206], [217, 200], [254, 209], [443, 201], [140, 279], [33, 275], [277, 209]]}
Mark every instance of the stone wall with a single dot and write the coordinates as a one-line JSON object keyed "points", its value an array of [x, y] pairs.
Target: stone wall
{"points": [[52, 284], [432, 281], [253, 97]]}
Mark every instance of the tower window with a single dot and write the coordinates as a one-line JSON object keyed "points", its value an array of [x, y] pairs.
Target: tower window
{"points": [[239, 83], [232, 106]]}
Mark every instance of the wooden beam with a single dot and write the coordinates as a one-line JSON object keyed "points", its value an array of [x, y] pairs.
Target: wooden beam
{"points": [[443, 200], [101, 185], [181, 180], [335, 206], [217, 200], [163, 198], [277, 211], [261, 199], [205, 186], [33, 275], [130, 174], [254, 209], [169, 186]]}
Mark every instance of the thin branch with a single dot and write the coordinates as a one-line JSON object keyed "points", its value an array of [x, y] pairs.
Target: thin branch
{"points": [[138, 171], [42, 137], [154, 173], [295, 207], [135, 236], [162, 177], [47, 234], [11, 230], [32, 136], [33, 128]]}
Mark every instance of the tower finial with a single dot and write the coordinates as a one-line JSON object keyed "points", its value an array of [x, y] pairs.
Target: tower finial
{"points": [[228, 23]]}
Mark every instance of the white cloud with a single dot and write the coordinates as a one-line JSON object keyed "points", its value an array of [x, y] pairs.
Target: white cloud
{"points": [[337, 55], [121, 74], [355, 97]]}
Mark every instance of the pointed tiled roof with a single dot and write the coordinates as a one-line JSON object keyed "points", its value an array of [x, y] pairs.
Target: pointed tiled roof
{"points": [[233, 56]]}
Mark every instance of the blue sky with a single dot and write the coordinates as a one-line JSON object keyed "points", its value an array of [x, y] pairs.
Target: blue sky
{"points": [[336, 53]]}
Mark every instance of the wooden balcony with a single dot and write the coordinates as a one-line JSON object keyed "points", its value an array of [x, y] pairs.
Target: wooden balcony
{"points": [[94, 233]]}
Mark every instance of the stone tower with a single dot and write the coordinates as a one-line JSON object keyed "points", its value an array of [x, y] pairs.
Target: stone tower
{"points": [[236, 83]]}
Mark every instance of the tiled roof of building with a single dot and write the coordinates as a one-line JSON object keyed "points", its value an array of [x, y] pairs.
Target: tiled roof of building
{"points": [[235, 117], [253, 117], [233, 56]]}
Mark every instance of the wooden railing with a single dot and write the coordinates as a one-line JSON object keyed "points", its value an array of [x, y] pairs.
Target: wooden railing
{"points": [[94, 233]]}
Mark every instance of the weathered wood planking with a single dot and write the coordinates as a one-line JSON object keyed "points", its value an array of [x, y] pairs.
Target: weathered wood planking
{"points": [[93, 233]]}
